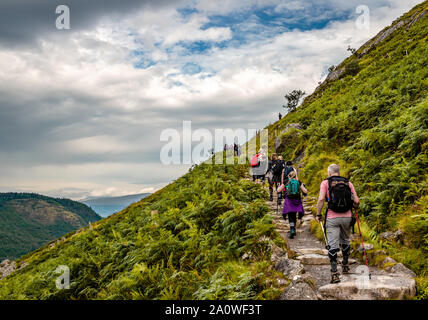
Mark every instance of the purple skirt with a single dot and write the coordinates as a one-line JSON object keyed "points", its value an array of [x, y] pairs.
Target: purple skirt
{"points": [[292, 205]]}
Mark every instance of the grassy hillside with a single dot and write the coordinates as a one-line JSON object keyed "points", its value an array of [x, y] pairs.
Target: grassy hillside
{"points": [[28, 221], [183, 242], [373, 121]]}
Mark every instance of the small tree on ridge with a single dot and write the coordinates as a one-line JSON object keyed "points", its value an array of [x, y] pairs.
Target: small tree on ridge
{"points": [[293, 99]]}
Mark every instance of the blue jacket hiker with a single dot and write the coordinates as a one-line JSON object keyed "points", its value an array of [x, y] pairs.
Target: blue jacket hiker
{"points": [[293, 201]]}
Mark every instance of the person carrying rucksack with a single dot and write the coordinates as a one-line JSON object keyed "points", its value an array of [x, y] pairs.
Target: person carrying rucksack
{"points": [[341, 198], [293, 205], [255, 163], [275, 170], [259, 166]]}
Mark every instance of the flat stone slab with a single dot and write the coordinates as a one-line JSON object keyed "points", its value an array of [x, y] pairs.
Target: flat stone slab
{"points": [[305, 251], [360, 287], [314, 258]]}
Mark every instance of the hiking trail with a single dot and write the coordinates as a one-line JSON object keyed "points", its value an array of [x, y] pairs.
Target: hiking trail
{"points": [[308, 268]]}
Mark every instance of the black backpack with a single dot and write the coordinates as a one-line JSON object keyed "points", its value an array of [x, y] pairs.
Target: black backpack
{"points": [[277, 168], [340, 198]]}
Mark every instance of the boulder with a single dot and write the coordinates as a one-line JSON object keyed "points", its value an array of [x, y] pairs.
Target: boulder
{"points": [[367, 246], [7, 267], [277, 253], [359, 287], [279, 144], [387, 260], [290, 268], [299, 290], [401, 270], [393, 236], [335, 74]]}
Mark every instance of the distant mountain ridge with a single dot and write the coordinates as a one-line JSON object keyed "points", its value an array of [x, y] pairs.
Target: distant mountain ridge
{"points": [[106, 206], [29, 220]]}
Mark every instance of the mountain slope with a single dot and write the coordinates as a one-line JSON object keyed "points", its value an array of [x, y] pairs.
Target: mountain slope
{"points": [[28, 221], [183, 242], [109, 205], [371, 117], [189, 239]]}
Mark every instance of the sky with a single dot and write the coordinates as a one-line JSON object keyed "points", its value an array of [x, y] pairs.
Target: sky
{"points": [[82, 110]]}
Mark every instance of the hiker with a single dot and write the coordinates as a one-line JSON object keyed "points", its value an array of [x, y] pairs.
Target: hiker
{"points": [[284, 177], [293, 206], [275, 169], [264, 162], [281, 159], [259, 166], [341, 197], [280, 116]]}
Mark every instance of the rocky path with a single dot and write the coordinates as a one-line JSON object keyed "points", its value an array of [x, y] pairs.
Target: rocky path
{"points": [[309, 269]]}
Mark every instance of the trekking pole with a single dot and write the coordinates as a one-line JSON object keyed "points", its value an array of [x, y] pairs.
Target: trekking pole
{"points": [[362, 243], [327, 246]]}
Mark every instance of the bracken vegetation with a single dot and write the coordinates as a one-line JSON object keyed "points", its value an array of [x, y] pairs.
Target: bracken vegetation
{"points": [[183, 242]]}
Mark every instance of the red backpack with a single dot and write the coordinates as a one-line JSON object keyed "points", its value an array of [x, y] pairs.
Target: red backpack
{"points": [[255, 161]]}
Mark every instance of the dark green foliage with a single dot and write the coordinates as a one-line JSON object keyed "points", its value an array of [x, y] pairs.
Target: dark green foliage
{"points": [[352, 68], [28, 221], [183, 242]]}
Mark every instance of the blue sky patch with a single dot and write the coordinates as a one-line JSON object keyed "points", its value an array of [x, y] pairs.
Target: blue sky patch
{"points": [[191, 68]]}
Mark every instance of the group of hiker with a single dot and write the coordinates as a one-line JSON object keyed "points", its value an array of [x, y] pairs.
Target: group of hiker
{"points": [[338, 192], [235, 147]]}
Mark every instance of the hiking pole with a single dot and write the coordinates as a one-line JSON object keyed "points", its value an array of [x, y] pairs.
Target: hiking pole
{"points": [[362, 243], [327, 246]]}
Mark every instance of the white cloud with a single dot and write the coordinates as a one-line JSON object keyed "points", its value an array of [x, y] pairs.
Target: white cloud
{"points": [[77, 115]]}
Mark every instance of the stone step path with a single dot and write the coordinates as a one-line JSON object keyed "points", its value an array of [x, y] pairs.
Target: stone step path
{"points": [[309, 270]]}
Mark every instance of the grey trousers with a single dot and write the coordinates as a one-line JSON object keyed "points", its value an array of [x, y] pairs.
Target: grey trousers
{"points": [[338, 230]]}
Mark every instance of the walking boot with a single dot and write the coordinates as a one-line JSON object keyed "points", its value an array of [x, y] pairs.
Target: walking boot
{"points": [[292, 232], [345, 269], [332, 254], [335, 277], [346, 249]]}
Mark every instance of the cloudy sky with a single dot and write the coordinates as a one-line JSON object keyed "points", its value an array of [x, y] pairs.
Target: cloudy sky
{"points": [[82, 110]]}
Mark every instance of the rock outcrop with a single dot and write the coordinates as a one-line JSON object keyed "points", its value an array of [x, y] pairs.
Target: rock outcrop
{"points": [[299, 290], [7, 267], [279, 143], [360, 287]]}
